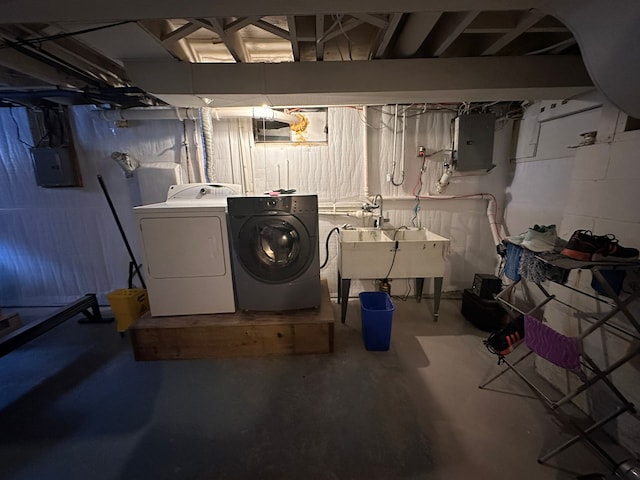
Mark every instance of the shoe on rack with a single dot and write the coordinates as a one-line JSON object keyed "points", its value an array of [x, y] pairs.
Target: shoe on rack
{"points": [[587, 247], [503, 341], [614, 252]]}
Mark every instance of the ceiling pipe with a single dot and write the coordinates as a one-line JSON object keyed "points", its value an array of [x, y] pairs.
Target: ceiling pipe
{"points": [[180, 113], [159, 113]]}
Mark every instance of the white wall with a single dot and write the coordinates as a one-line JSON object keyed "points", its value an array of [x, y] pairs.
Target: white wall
{"points": [[58, 244], [591, 187]]}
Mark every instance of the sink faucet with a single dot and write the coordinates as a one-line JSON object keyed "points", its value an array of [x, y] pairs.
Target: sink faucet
{"points": [[377, 201]]}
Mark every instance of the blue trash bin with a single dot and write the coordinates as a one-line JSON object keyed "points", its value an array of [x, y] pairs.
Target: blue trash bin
{"points": [[377, 316]]}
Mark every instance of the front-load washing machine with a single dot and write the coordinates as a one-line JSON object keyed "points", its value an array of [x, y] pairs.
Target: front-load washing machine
{"points": [[274, 244], [185, 250]]}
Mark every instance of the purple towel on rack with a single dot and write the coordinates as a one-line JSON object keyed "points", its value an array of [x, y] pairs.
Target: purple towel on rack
{"points": [[551, 345]]}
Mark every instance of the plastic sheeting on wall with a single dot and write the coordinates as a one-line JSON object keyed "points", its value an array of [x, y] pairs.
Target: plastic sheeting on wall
{"points": [[154, 180], [57, 244], [336, 173]]}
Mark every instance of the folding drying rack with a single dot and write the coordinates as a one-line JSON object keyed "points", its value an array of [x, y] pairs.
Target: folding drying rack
{"points": [[590, 373]]}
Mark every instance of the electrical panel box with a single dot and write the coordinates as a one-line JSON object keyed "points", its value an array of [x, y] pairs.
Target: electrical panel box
{"points": [[55, 167], [473, 142]]}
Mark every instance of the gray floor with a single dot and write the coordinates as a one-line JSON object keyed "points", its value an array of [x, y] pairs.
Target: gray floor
{"points": [[74, 404]]}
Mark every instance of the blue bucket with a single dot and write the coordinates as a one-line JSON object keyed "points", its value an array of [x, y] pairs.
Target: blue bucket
{"points": [[377, 316]]}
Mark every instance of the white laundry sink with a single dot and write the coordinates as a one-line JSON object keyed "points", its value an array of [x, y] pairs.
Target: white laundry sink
{"points": [[363, 236], [369, 253], [372, 253]]}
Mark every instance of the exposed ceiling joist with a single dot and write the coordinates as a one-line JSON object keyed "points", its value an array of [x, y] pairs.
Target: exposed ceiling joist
{"points": [[319, 35], [268, 27], [156, 30], [388, 34], [529, 20], [417, 27], [234, 45], [342, 28], [212, 25], [45, 11], [240, 23], [371, 20], [449, 29], [293, 38], [178, 33]]}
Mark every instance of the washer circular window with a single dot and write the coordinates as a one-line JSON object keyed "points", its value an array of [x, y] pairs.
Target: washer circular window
{"points": [[274, 249]]}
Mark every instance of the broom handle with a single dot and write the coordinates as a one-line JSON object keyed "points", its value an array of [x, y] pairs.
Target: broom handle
{"points": [[124, 237]]}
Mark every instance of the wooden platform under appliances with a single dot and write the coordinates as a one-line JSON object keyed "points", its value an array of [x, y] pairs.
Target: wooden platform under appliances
{"points": [[235, 334]]}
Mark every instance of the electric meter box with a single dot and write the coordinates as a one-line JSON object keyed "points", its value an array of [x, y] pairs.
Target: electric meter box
{"points": [[55, 167], [473, 142]]}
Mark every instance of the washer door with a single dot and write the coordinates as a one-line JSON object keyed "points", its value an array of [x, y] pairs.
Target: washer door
{"points": [[274, 249]]}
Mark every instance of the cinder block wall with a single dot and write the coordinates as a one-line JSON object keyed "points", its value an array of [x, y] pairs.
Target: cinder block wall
{"points": [[594, 187]]}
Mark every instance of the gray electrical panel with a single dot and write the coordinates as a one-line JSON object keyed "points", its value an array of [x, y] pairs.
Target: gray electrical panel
{"points": [[55, 167], [473, 142]]}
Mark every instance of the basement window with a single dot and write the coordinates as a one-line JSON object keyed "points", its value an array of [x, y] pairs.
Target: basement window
{"points": [[292, 125]]}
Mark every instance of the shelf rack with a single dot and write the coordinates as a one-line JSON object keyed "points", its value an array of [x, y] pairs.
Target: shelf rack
{"points": [[590, 372]]}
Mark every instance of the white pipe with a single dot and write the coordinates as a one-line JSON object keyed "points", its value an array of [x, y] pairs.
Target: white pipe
{"points": [[395, 135], [179, 113], [365, 150], [342, 205], [491, 207], [352, 213], [150, 113], [444, 181], [404, 132], [256, 112]]}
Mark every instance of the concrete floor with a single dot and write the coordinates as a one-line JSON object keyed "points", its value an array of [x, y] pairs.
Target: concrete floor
{"points": [[75, 405]]}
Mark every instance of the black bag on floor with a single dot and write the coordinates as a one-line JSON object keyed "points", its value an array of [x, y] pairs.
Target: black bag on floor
{"points": [[487, 315]]}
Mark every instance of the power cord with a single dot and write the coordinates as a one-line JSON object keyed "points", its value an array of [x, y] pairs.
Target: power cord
{"points": [[393, 260], [326, 245]]}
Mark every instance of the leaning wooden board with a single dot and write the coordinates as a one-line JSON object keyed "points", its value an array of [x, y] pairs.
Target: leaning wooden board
{"points": [[235, 335]]}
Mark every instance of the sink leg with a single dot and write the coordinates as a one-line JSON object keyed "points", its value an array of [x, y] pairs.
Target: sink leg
{"points": [[346, 285], [339, 287], [419, 288], [437, 290]]}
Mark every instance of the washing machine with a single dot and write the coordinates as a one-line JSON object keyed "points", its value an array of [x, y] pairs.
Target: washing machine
{"points": [[185, 250], [274, 245]]}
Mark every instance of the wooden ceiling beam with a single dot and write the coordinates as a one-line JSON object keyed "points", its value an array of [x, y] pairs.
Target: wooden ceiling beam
{"points": [[449, 29], [319, 35], [178, 33], [293, 38], [371, 20], [388, 34], [374, 82], [46, 11], [526, 22]]}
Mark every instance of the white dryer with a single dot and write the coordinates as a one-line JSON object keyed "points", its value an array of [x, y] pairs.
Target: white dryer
{"points": [[185, 250]]}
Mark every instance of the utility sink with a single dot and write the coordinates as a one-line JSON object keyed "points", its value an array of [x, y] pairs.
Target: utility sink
{"points": [[363, 235], [370, 253]]}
